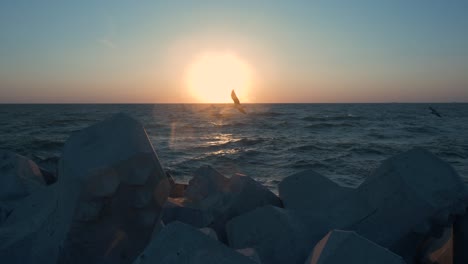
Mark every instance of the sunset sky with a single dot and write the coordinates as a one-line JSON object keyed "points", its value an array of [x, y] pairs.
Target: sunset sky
{"points": [[271, 51]]}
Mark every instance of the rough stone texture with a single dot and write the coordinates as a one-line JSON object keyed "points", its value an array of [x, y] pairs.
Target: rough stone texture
{"points": [[308, 190], [19, 176], [31, 233], [175, 211], [223, 198], [209, 232], [461, 239], [250, 253], [119, 191], [177, 189], [183, 244], [248, 194], [157, 228], [103, 208], [407, 191], [439, 249], [244, 194], [409, 197], [206, 181], [348, 247], [276, 234]]}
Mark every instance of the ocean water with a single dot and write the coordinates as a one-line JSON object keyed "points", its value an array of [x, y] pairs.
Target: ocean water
{"points": [[344, 142]]}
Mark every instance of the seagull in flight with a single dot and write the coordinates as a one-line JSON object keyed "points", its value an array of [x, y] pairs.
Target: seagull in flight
{"points": [[237, 104], [434, 112]]}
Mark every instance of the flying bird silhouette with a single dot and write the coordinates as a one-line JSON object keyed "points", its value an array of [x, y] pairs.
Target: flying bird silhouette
{"points": [[434, 112], [237, 104]]}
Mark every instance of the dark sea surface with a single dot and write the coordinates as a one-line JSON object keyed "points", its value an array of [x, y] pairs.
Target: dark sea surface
{"points": [[344, 142]]}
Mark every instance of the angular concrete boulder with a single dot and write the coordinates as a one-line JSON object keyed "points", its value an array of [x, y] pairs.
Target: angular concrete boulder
{"points": [[206, 181], [177, 189], [103, 208], [181, 243], [411, 195], [339, 247], [248, 194], [19, 176], [244, 194], [113, 188], [276, 234], [223, 198], [175, 211], [308, 190]]}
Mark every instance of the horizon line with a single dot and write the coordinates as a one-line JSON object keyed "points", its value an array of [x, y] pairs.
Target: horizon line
{"points": [[152, 103]]}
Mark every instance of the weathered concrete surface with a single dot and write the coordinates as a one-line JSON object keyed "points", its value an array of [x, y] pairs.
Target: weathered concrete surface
{"points": [[411, 194], [19, 176], [339, 247], [173, 211], [104, 207], [276, 234], [223, 198], [183, 244], [250, 253], [206, 181], [119, 188], [308, 190], [409, 197]]}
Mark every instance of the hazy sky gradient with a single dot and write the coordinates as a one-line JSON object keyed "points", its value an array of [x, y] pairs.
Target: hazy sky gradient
{"points": [[301, 51]]}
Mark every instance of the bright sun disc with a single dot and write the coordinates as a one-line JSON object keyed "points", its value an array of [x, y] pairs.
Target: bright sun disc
{"points": [[212, 76]]}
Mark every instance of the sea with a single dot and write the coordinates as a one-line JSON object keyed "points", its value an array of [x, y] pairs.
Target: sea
{"points": [[344, 142]]}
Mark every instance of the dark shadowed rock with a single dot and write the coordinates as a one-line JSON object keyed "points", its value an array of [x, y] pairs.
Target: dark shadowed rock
{"points": [[103, 208], [224, 198], [309, 190], [113, 188], [339, 247], [175, 211], [439, 249], [276, 234], [206, 181], [19, 176], [244, 194], [461, 239], [177, 189], [250, 253], [409, 197], [248, 194], [49, 177], [209, 232], [181, 243], [412, 194]]}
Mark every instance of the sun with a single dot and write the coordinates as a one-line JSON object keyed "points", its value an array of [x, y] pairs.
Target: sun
{"points": [[212, 76]]}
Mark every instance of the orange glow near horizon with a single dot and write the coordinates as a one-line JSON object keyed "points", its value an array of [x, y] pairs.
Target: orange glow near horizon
{"points": [[212, 76]]}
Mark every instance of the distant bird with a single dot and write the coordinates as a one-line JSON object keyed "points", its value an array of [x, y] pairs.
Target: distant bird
{"points": [[237, 104], [434, 112]]}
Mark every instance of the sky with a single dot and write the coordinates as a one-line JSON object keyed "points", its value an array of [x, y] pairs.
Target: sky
{"points": [[298, 51]]}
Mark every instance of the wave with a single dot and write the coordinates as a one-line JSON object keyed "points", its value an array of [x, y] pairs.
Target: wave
{"points": [[267, 114], [419, 129], [66, 121], [329, 125], [330, 118], [307, 148], [45, 145]]}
